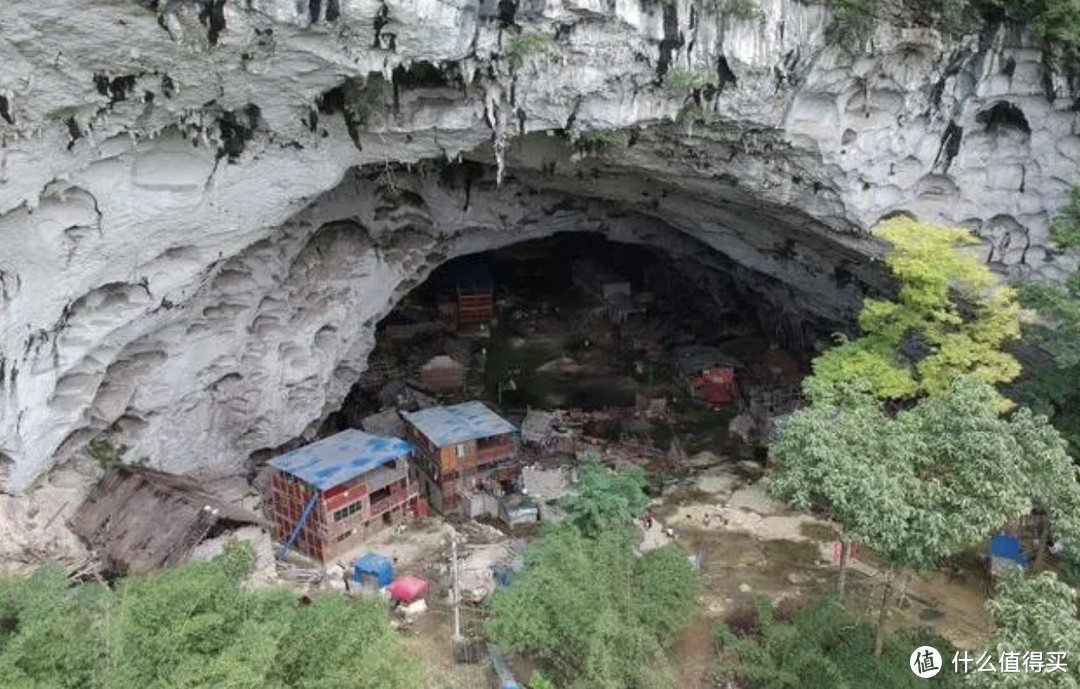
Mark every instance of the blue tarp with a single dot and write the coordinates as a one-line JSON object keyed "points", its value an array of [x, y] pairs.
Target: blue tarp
{"points": [[1006, 546], [374, 565], [340, 458], [458, 423], [471, 275]]}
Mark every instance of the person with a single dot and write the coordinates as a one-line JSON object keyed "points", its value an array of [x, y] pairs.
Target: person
{"points": [[708, 520], [648, 520]]}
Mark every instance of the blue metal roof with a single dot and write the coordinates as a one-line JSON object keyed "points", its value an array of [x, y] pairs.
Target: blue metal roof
{"points": [[340, 458], [458, 423]]}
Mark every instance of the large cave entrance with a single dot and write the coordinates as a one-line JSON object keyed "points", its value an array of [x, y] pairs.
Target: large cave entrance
{"points": [[617, 332]]}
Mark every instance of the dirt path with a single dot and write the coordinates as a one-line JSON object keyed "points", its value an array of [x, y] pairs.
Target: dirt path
{"points": [[748, 544]]}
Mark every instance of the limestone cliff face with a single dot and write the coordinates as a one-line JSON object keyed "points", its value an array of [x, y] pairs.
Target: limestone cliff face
{"points": [[206, 205]]}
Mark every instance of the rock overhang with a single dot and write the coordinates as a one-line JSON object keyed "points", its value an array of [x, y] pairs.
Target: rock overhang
{"points": [[159, 186]]}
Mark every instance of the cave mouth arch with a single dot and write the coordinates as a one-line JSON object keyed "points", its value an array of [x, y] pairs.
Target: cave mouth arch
{"points": [[359, 251], [276, 336]]}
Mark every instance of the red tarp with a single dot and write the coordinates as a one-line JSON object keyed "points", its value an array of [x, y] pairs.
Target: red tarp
{"points": [[407, 589]]}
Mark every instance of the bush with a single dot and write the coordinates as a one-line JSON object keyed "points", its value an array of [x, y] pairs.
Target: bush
{"points": [[602, 140], [192, 626], [686, 80], [527, 44], [823, 645]]}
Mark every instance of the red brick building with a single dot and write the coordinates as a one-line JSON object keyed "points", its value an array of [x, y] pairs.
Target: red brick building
{"points": [[329, 496], [457, 445]]}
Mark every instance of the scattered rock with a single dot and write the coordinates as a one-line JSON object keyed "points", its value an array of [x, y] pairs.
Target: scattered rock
{"points": [[751, 558], [797, 579], [742, 427], [751, 467], [745, 588], [718, 480], [265, 573], [703, 460], [755, 499]]}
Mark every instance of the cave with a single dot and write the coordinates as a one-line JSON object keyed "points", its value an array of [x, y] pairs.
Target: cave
{"points": [[369, 260], [551, 340]]}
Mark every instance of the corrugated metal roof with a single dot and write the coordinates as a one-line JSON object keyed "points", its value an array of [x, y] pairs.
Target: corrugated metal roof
{"points": [[458, 423], [341, 457]]}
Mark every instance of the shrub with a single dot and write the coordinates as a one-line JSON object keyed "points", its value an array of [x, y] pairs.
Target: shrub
{"points": [[527, 44]]}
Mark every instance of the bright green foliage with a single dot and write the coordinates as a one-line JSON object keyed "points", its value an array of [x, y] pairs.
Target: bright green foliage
{"points": [[929, 482], [193, 626], [684, 80], [823, 645], [934, 278], [540, 681], [604, 500], [1032, 613], [525, 45], [593, 612]]}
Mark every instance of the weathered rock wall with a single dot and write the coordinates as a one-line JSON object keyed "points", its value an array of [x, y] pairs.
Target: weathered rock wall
{"points": [[163, 274]]}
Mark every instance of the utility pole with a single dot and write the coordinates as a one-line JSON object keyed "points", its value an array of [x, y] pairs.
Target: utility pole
{"points": [[456, 594]]}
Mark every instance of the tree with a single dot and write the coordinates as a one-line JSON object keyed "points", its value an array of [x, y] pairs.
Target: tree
{"points": [[1032, 613], [596, 613], [584, 606], [949, 317], [603, 498], [1055, 390], [928, 482], [193, 626]]}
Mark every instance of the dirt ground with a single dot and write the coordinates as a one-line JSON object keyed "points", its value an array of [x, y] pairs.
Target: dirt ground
{"points": [[752, 545]]}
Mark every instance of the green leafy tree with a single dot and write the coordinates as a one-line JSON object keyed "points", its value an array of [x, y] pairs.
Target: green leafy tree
{"points": [[603, 499], [193, 626], [1032, 613], [1055, 390], [593, 612], [928, 482], [950, 316]]}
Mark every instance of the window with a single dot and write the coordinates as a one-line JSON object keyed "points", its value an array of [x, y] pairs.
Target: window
{"points": [[460, 450], [348, 510]]}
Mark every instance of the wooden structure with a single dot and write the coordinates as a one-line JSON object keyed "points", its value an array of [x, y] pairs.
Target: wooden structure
{"points": [[327, 497], [443, 373], [474, 292], [139, 519], [458, 445], [710, 375]]}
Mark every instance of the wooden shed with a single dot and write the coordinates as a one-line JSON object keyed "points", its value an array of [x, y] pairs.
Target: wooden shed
{"points": [[139, 519]]}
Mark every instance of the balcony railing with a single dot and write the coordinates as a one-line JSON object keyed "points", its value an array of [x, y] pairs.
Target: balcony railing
{"points": [[492, 453]]}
